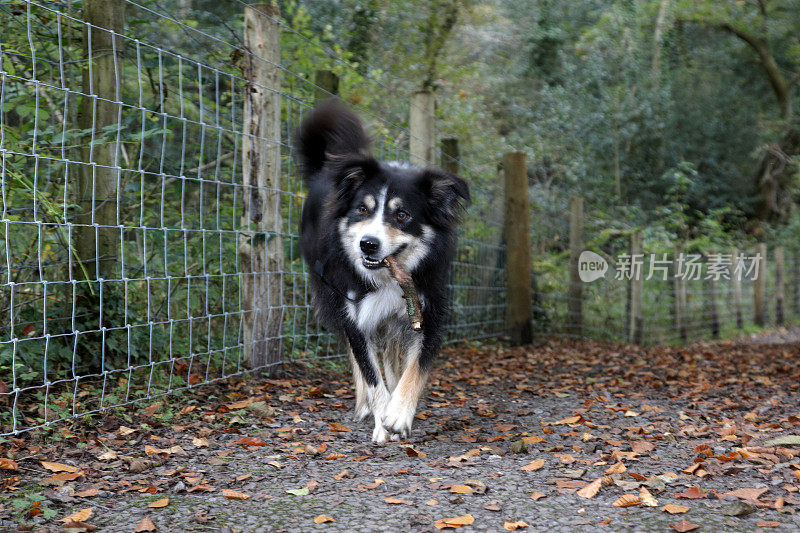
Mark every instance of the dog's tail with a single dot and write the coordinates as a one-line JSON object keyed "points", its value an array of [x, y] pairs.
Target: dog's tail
{"points": [[330, 131]]}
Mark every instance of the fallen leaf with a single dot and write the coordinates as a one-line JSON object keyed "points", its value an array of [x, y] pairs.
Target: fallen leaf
{"points": [[200, 442], [236, 495], [145, 524], [461, 489], [513, 526], [411, 452], [768, 523], [58, 467], [398, 501], [250, 441], [455, 522], [336, 426], [335, 455], [321, 519], [647, 498], [378, 482], [341, 474], [109, 455], [79, 516], [431, 502], [683, 526], [158, 504], [627, 500], [617, 468], [590, 490], [567, 421], [692, 493], [746, 494], [533, 465], [68, 476], [533, 440], [642, 446], [536, 496], [786, 440], [672, 508], [8, 464], [298, 492], [87, 493]]}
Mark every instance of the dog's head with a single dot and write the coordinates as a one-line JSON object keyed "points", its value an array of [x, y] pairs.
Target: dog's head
{"points": [[393, 209], [380, 209]]}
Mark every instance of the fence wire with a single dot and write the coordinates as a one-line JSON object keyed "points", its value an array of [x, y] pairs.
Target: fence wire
{"points": [[122, 278]]}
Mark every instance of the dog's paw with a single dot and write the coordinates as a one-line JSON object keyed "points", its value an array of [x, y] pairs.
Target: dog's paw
{"points": [[379, 434], [398, 418]]}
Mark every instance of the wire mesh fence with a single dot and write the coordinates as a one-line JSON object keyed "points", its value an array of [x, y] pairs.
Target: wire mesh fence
{"points": [[123, 222], [131, 259], [712, 294]]}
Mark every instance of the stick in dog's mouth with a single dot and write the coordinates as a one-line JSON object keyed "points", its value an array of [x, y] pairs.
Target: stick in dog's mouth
{"points": [[403, 278]]}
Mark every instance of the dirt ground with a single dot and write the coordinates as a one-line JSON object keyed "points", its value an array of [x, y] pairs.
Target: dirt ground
{"points": [[560, 436]]}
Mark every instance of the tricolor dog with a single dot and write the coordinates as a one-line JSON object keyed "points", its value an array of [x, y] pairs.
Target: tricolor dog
{"points": [[358, 212]]}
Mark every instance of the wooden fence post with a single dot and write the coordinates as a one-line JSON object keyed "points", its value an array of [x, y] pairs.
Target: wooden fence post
{"points": [[713, 310], [422, 144], [575, 292], [796, 283], [680, 295], [450, 155], [760, 286], [518, 248], [96, 237], [327, 84], [780, 294], [736, 280], [635, 329], [260, 241]]}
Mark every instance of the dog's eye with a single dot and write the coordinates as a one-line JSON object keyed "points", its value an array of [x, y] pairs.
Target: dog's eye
{"points": [[362, 209], [402, 215]]}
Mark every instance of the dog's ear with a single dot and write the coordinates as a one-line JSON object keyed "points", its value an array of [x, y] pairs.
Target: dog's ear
{"points": [[350, 172], [447, 194]]}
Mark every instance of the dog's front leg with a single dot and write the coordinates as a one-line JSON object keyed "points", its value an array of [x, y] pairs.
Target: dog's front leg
{"points": [[403, 405], [376, 394]]}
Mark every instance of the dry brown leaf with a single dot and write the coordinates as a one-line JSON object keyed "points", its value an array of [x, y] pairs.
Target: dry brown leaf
{"points": [[145, 524], [533, 465], [8, 464], [79, 516], [250, 441], [431, 502], [513, 526], [647, 498], [234, 494], [461, 489], [411, 452], [340, 475], [455, 522], [68, 476], [536, 496], [692, 493], [642, 446], [335, 455], [627, 500], [398, 501], [683, 526], [109, 455], [617, 468], [672, 508], [200, 442], [336, 426], [590, 490], [768, 523], [58, 467], [158, 504], [378, 482], [746, 494], [88, 493], [533, 440], [321, 519], [568, 421]]}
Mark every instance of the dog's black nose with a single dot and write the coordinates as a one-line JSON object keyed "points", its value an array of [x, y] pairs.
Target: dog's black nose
{"points": [[370, 245]]}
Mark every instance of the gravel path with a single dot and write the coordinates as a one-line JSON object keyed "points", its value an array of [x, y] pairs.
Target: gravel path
{"points": [[667, 419]]}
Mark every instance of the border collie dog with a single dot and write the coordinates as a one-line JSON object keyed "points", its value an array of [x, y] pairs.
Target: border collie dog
{"points": [[358, 212]]}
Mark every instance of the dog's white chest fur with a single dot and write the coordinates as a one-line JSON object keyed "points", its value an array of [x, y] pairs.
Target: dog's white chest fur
{"points": [[377, 306]]}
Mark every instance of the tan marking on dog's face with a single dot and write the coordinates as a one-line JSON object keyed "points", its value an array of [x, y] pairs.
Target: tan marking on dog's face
{"points": [[369, 201], [395, 203]]}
